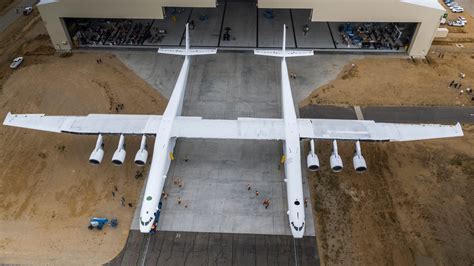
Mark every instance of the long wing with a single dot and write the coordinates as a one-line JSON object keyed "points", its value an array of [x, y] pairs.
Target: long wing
{"points": [[91, 124], [242, 128], [371, 131]]}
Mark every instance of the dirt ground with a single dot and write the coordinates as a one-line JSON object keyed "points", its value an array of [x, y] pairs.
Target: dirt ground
{"points": [[401, 81], [413, 206], [48, 190], [5, 5]]}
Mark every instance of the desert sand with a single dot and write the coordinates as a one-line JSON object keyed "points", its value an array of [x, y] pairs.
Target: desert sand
{"points": [[5, 5], [413, 205], [48, 190], [401, 81]]}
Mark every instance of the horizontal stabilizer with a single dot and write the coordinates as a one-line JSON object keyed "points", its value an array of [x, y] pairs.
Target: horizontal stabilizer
{"points": [[285, 53], [182, 51]]}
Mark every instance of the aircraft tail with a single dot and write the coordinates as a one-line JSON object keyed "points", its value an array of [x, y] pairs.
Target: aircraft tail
{"points": [[186, 51], [283, 52]]}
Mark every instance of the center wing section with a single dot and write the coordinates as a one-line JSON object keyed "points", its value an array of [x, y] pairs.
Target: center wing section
{"points": [[367, 130], [92, 124], [242, 128]]}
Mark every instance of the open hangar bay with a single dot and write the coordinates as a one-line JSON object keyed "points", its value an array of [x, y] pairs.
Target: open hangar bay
{"points": [[396, 26]]}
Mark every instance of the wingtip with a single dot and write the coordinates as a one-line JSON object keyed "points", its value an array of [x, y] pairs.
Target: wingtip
{"points": [[7, 118], [459, 128]]}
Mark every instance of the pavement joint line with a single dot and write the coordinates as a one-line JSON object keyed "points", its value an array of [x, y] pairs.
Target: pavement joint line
{"points": [[358, 112], [145, 251], [296, 255]]}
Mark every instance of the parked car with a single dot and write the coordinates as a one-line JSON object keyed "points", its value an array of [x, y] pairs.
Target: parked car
{"points": [[456, 23], [27, 10], [463, 19], [16, 62], [457, 10]]}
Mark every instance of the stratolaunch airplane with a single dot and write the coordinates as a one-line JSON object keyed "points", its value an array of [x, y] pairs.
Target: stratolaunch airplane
{"points": [[171, 125]]}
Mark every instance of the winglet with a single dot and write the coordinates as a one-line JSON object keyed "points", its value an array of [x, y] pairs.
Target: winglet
{"points": [[187, 51], [7, 118], [283, 52], [459, 129]]}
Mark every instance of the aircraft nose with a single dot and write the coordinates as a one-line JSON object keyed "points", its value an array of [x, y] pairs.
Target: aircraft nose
{"points": [[297, 231], [145, 224], [145, 228]]}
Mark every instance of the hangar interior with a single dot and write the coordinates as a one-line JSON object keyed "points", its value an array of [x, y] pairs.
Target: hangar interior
{"points": [[240, 25]]}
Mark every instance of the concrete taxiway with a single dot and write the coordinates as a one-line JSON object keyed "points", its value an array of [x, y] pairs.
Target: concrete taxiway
{"points": [[186, 248], [215, 173]]}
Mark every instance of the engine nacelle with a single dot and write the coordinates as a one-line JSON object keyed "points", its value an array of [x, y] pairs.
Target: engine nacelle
{"points": [[142, 153], [120, 153], [312, 160], [335, 159], [98, 153], [359, 162]]}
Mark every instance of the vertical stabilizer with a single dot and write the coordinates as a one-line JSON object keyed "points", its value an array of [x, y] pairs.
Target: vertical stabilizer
{"points": [[283, 46], [187, 38]]}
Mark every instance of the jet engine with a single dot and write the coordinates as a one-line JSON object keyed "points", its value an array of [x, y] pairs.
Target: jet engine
{"points": [[359, 162], [119, 154], [98, 152], [312, 159], [142, 153], [335, 159]]}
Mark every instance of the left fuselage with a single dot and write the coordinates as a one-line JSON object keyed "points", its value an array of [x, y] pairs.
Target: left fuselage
{"points": [[162, 152]]}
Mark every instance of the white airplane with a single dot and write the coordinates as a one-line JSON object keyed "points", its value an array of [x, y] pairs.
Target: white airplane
{"points": [[171, 125]]}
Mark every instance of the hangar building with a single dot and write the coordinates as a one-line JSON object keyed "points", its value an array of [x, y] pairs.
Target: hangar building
{"points": [[369, 25]]}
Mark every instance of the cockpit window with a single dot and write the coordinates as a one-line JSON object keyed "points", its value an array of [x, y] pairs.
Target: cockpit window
{"points": [[301, 227], [297, 203], [147, 222], [148, 198], [297, 228]]}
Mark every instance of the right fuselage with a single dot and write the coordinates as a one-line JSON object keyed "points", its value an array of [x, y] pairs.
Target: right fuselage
{"points": [[291, 149]]}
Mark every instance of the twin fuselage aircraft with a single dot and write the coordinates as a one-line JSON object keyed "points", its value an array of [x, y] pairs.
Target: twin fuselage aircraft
{"points": [[171, 125]]}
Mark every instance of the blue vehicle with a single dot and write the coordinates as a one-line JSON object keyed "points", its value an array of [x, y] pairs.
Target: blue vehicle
{"points": [[99, 223]]}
